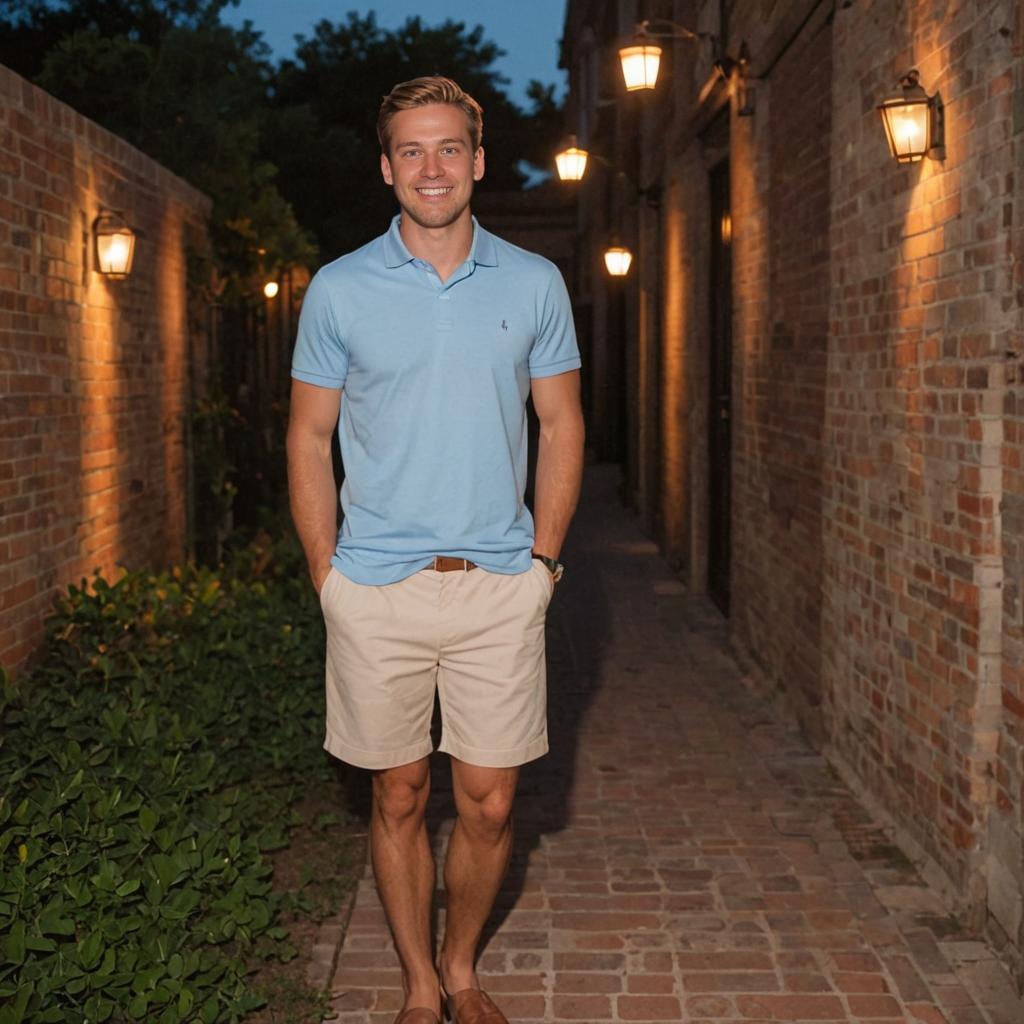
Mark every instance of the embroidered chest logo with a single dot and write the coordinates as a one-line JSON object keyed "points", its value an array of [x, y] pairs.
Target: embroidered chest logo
{"points": [[504, 325]]}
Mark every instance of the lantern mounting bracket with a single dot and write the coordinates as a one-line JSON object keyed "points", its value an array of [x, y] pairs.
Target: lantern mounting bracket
{"points": [[652, 29]]}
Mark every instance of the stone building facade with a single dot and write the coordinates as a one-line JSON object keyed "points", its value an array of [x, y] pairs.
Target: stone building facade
{"points": [[95, 374], [814, 377]]}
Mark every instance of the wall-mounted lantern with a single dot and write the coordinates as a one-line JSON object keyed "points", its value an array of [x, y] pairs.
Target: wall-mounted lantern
{"points": [[571, 161], [913, 121], [641, 57], [641, 61], [115, 245], [270, 289], [617, 259]]}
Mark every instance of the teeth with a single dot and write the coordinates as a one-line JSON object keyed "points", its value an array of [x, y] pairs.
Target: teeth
{"points": [[434, 191]]}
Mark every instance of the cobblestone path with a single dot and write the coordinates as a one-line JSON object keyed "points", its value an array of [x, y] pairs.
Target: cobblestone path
{"points": [[682, 855]]}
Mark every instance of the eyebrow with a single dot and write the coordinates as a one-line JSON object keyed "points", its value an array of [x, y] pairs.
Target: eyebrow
{"points": [[441, 142]]}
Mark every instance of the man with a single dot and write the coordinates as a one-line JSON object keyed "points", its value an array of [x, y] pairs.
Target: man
{"points": [[430, 339]]}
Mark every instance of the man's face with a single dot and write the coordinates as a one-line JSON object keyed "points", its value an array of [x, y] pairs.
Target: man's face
{"points": [[431, 164]]}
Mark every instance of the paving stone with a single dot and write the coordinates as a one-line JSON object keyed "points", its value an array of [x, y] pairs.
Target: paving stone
{"points": [[681, 854]]}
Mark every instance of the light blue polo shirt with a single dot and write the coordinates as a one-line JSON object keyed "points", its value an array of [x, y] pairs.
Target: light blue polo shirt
{"points": [[435, 378]]}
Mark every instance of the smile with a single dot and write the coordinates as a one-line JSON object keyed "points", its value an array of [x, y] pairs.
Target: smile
{"points": [[435, 191]]}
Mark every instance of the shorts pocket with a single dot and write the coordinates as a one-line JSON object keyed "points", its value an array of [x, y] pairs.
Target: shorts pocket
{"points": [[547, 580], [325, 586]]}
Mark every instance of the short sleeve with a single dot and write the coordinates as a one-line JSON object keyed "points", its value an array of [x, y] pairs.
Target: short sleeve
{"points": [[320, 355], [555, 350]]}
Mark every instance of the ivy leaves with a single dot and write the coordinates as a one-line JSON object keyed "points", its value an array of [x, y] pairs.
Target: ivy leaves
{"points": [[147, 766]]}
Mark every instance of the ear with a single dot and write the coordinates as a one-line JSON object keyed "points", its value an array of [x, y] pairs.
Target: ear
{"points": [[478, 164], [385, 169]]}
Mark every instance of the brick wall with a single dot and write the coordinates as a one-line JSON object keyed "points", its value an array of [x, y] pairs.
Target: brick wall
{"points": [[677, 326], [780, 169], [1005, 870], [94, 374], [922, 308]]}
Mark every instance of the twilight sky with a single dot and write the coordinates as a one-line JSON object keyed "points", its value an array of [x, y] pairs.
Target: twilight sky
{"points": [[528, 30]]}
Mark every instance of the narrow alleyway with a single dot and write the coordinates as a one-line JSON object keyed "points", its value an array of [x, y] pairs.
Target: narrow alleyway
{"points": [[681, 854]]}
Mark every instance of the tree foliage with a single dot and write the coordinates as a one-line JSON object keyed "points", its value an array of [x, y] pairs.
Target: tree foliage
{"points": [[188, 90], [321, 129], [288, 152]]}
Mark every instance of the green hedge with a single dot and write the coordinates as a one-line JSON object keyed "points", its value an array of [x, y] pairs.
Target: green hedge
{"points": [[146, 766]]}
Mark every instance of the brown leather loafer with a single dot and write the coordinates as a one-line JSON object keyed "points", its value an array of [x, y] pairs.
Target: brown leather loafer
{"points": [[417, 1015], [474, 1006]]}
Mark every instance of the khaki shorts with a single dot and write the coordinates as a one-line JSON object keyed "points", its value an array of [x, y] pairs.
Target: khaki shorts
{"points": [[476, 637]]}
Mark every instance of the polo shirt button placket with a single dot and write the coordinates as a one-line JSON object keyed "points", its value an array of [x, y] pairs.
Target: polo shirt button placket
{"points": [[443, 320]]}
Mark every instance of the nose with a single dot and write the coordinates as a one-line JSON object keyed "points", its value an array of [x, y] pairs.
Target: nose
{"points": [[432, 166]]}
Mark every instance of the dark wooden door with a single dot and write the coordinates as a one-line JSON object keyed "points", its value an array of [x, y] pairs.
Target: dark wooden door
{"points": [[720, 399]]}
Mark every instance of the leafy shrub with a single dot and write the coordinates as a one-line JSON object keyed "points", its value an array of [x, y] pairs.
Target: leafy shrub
{"points": [[145, 768]]}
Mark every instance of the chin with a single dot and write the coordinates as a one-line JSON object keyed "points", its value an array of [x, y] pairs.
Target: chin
{"points": [[435, 218]]}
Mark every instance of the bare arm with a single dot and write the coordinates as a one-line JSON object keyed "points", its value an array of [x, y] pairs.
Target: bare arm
{"points": [[311, 488], [559, 458]]}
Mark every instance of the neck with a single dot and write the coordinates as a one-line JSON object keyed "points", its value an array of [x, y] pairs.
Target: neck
{"points": [[443, 248]]}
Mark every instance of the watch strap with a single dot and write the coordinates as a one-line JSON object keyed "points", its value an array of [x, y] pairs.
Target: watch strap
{"points": [[552, 565]]}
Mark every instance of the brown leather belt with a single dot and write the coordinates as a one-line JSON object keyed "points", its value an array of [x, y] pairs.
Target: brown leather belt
{"points": [[445, 563]]}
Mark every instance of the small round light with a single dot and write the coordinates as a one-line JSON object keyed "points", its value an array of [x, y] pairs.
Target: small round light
{"points": [[270, 289]]}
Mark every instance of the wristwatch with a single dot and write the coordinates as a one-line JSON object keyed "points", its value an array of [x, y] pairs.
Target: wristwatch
{"points": [[555, 568]]}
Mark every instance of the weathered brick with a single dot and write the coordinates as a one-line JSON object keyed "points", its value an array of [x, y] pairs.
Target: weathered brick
{"points": [[82, 441], [648, 1008], [792, 1007], [579, 1007]]}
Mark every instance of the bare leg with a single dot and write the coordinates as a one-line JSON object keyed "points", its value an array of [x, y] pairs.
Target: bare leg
{"points": [[478, 855], [404, 868]]}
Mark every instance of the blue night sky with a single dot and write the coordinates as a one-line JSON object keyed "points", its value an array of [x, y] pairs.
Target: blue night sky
{"points": [[528, 30]]}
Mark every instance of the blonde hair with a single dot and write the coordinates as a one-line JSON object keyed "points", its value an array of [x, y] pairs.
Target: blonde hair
{"points": [[418, 92]]}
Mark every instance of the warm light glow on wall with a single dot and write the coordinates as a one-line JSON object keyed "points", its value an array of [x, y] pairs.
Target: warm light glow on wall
{"points": [[640, 64], [726, 228], [618, 259]]}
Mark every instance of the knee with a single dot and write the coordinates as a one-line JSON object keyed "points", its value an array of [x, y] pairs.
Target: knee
{"points": [[399, 798], [491, 813]]}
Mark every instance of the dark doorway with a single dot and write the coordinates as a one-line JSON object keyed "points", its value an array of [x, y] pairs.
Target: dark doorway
{"points": [[720, 375]]}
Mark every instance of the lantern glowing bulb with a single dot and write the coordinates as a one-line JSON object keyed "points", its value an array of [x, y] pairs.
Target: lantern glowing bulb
{"points": [[909, 126], [270, 289], [641, 61], [571, 161], [618, 259]]}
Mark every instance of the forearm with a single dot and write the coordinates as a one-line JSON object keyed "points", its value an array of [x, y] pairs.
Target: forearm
{"points": [[557, 486], [313, 500]]}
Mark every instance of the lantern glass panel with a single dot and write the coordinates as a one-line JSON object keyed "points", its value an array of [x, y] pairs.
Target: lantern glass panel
{"points": [[618, 259], [640, 64], [114, 253], [571, 163], [907, 130]]}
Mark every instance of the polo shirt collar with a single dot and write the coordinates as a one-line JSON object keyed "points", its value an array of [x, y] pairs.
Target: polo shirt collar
{"points": [[482, 252]]}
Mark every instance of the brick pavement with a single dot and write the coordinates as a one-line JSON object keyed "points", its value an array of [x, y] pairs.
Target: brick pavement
{"points": [[682, 854]]}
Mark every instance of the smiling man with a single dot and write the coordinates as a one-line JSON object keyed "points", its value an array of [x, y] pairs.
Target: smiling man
{"points": [[423, 347]]}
